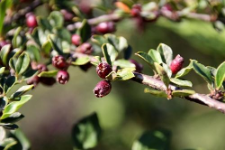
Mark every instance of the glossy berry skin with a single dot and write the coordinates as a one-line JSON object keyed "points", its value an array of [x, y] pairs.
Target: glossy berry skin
{"points": [[138, 66], [62, 77], [42, 67], [86, 48], [176, 64], [105, 27], [103, 69], [31, 20], [102, 89], [47, 81], [76, 39], [136, 10], [33, 81], [59, 62]]}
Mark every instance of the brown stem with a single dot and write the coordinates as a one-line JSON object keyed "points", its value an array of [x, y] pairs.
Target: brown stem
{"points": [[159, 85], [22, 12]]}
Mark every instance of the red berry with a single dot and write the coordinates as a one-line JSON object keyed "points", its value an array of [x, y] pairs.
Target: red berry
{"points": [[167, 7], [68, 16], [47, 81], [136, 10], [102, 89], [41, 67], [105, 27], [33, 80], [86, 48], [138, 66], [62, 77], [59, 62], [103, 69], [76, 39], [31, 20], [176, 64], [85, 7]]}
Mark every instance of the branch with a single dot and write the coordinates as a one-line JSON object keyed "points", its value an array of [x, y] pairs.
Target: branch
{"points": [[152, 82], [172, 15], [22, 12], [198, 98]]}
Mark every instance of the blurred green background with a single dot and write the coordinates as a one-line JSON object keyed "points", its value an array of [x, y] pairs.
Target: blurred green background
{"points": [[127, 112]]}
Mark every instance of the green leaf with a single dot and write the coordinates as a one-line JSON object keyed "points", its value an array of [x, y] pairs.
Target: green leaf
{"points": [[185, 70], [56, 19], [3, 103], [155, 92], [15, 106], [98, 40], [166, 53], [13, 118], [51, 73], [4, 54], [124, 74], [203, 71], [153, 140], [21, 91], [46, 48], [21, 139], [44, 24], [2, 70], [81, 61], [56, 44], [155, 55], [10, 126], [183, 92], [8, 143], [109, 53], [96, 60], [64, 34], [122, 63], [167, 69], [22, 63], [162, 74], [181, 82], [12, 63], [33, 52], [15, 37], [9, 83], [220, 75], [3, 7], [148, 59], [119, 43], [84, 31], [86, 133]]}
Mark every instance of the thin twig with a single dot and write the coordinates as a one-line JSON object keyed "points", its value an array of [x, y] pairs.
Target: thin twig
{"points": [[157, 84], [21, 13]]}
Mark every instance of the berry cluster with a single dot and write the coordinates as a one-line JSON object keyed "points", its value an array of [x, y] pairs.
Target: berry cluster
{"points": [[103, 87]]}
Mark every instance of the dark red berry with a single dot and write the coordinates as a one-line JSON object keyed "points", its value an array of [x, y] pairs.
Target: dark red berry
{"points": [[47, 81], [41, 67], [31, 20], [62, 77], [3, 43], [85, 7], [105, 27], [103, 69], [59, 62], [68, 16], [76, 39], [176, 64], [33, 81], [102, 89], [86, 48], [138, 66], [136, 10]]}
